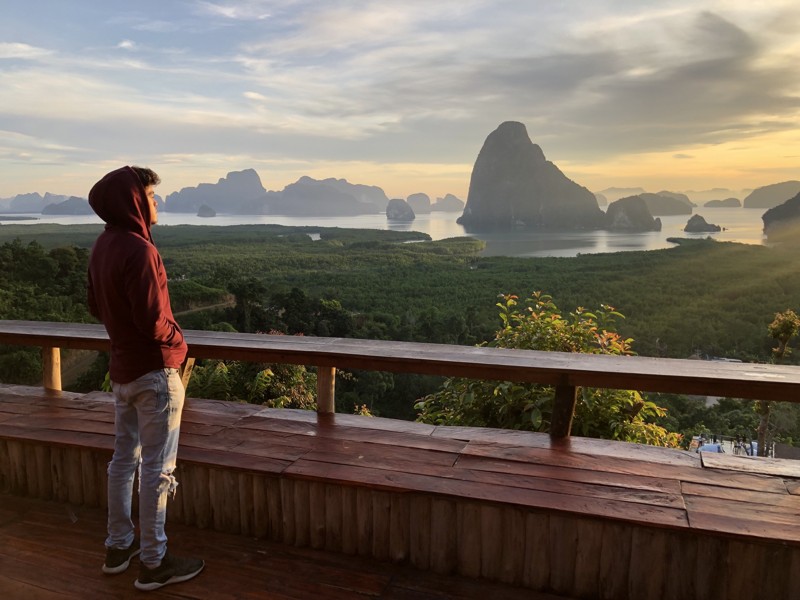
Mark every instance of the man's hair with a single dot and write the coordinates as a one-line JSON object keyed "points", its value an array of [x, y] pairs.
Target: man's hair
{"points": [[147, 176]]}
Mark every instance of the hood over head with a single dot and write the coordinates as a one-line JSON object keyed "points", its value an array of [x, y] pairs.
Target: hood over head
{"points": [[120, 199]]}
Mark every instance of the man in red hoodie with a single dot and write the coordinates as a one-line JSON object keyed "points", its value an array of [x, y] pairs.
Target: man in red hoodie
{"points": [[127, 291]]}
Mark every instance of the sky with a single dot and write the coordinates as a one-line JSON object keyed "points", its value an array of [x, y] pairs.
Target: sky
{"points": [[672, 94]]}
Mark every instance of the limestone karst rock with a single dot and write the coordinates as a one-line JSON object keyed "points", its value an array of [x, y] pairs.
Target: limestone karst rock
{"points": [[726, 203], [206, 211], [697, 224], [240, 192], [630, 214], [399, 210], [665, 204], [421, 203], [448, 203], [71, 206], [773, 195], [782, 222], [513, 185]]}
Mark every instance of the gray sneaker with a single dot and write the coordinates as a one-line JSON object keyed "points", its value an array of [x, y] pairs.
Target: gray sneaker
{"points": [[118, 559], [172, 569]]}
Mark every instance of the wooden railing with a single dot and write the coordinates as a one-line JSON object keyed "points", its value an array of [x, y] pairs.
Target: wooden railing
{"points": [[566, 371]]}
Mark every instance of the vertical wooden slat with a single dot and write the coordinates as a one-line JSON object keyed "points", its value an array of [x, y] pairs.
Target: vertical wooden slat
{"points": [[745, 571], [399, 523], [564, 549], [260, 507], [333, 518], [74, 478], [566, 397], [349, 520], [41, 455], [288, 529], [648, 569], [536, 574], [468, 529], [419, 532], [89, 477], [491, 548], [615, 555], [31, 476], [275, 508], [17, 480], [316, 514], [201, 497], [364, 521], [711, 566], [186, 493], [5, 467], [245, 497], [680, 566], [326, 389], [51, 369], [587, 559], [381, 526], [512, 556], [302, 514], [444, 551]]}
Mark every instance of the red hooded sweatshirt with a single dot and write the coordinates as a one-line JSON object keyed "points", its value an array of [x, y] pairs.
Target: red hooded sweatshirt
{"points": [[128, 283]]}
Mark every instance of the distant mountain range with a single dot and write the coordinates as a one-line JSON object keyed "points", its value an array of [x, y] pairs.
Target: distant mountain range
{"points": [[512, 185], [241, 192]]}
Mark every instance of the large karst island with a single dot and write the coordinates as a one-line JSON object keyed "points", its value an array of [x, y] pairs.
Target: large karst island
{"points": [[513, 186]]}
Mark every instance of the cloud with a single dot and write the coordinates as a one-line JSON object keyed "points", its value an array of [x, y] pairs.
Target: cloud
{"points": [[18, 50], [682, 156], [126, 45], [237, 11]]}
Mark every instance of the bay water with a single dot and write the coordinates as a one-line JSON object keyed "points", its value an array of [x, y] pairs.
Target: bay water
{"points": [[743, 225]]}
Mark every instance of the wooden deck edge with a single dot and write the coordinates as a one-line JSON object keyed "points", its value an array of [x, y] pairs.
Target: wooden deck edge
{"points": [[543, 550]]}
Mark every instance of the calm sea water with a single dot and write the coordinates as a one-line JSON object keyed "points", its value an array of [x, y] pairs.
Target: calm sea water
{"points": [[742, 225]]}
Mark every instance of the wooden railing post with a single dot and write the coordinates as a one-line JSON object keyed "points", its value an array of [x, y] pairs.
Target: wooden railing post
{"points": [[326, 385], [563, 410], [51, 369]]}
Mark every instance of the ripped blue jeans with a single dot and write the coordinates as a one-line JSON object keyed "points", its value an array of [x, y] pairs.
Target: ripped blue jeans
{"points": [[147, 426]]}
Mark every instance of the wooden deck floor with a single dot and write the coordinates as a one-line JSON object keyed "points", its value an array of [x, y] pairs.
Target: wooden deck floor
{"points": [[53, 551], [563, 502]]}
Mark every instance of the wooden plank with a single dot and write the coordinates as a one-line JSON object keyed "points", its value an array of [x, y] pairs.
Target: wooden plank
{"points": [[650, 483], [778, 467], [786, 502], [334, 517], [393, 481], [713, 515], [625, 466]]}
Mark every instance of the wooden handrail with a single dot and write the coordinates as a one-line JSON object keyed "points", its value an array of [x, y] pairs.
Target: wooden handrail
{"points": [[566, 371]]}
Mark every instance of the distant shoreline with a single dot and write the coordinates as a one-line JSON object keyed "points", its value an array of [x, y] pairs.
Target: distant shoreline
{"points": [[17, 218]]}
